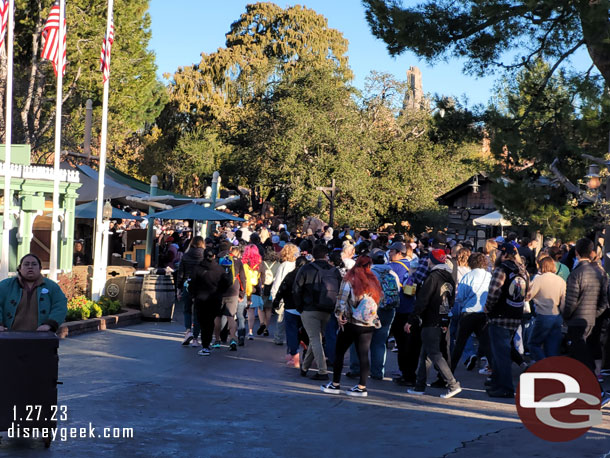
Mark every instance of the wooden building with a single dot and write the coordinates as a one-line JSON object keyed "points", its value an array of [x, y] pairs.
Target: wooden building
{"points": [[468, 201]]}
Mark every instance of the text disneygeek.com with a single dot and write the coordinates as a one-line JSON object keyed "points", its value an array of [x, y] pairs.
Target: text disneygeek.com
{"points": [[64, 433]]}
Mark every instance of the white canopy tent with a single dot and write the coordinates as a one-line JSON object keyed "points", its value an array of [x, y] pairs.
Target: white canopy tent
{"points": [[492, 219]]}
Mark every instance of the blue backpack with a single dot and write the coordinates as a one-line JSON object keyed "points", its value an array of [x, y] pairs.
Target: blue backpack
{"points": [[389, 286]]}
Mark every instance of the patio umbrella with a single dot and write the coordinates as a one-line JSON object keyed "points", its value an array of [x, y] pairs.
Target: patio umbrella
{"points": [[491, 219], [89, 211], [195, 212]]}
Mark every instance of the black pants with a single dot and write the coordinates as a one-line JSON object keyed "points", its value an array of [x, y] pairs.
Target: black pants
{"points": [[408, 344], [206, 314], [361, 336], [578, 348], [469, 323]]}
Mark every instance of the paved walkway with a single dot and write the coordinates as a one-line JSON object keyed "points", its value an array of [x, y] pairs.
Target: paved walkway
{"points": [[247, 403]]}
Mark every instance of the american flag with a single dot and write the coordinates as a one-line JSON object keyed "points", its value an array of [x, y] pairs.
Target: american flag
{"points": [[50, 39], [106, 48], [3, 20]]}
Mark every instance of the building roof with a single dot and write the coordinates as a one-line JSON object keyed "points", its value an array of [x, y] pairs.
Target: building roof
{"points": [[462, 188]]}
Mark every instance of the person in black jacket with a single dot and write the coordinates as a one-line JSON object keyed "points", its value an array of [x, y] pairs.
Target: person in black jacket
{"points": [[190, 260], [315, 292], [432, 306], [586, 299], [208, 284], [292, 317], [508, 289]]}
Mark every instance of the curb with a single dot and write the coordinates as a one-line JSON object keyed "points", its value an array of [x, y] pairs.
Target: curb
{"points": [[74, 328]]}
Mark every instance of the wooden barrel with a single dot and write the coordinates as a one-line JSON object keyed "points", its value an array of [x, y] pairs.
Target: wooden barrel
{"points": [[132, 292], [158, 298]]}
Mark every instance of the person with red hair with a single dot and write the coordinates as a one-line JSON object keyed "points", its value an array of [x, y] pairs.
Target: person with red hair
{"points": [[254, 270], [356, 312]]}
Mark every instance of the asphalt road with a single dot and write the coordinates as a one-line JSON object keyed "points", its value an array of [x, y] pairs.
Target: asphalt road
{"points": [[247, 403]]}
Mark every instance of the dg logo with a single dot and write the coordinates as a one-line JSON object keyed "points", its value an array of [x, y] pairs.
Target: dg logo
{"points": [[559, 399]]}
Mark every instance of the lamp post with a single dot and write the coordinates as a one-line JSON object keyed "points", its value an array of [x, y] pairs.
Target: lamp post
{"points": [[99, 265]]}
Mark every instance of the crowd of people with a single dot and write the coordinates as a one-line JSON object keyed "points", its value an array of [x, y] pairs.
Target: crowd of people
{"points": [[440, 301]]}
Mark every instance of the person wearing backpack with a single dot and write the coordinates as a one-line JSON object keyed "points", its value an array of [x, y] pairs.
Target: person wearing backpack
{"points": [[271, 265], [386, 311], [434, 301], [508, 290], [356, 312], [315, 292], [230, 300]]}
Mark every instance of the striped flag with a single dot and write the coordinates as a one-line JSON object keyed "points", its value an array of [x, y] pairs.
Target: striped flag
{"points": [[106, 48], [50, 39], [3, 20]]}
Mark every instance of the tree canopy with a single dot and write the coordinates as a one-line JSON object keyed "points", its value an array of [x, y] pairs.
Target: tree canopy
{"points": [[136, 97], [485, 31]]}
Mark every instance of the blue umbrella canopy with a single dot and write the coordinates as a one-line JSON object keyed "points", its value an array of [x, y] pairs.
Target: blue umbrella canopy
{"points": [[89, 211], [195, 212]]}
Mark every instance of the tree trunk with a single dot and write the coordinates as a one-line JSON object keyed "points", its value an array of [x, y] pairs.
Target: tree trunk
{"points": [[596, 33]]}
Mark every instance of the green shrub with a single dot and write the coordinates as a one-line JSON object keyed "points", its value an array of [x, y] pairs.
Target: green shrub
{"points": [[109, 307], [95, 310]]}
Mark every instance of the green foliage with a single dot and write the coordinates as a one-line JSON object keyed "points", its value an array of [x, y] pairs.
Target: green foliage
{"points": [[108, 306], [485, 32], [95, 311], [564, 121], [275, 113], [136, 97]]}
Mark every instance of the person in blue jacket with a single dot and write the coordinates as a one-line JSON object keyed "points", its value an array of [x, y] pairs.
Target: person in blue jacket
{"points": [[30, 302]]}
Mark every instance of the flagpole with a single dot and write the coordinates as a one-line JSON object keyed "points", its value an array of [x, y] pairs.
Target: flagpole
{"points": [[4, 267], [100, 258], [55, 225]]}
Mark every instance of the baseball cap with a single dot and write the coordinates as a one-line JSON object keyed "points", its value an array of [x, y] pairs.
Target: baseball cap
{"points": [[398, 246], [438, 256], [508, 248]]}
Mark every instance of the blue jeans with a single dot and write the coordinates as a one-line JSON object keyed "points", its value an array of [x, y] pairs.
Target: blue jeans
{"points": [[189, 317], [546, 331], [292, 323], [500, 342], [378, 346], [330, 338]]}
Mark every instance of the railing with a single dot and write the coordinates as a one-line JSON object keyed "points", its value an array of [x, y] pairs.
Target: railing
{"points": [[37, 172]]}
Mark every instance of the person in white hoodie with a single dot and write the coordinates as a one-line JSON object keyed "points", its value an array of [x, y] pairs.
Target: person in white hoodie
{"points": [[288, 255]]}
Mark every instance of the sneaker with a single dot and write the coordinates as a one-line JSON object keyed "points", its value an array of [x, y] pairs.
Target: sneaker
{"points": [[485, 371], [265, 332], [416, 391], [195, 342], [216, 344], [471, 362], [261, 329], [451, 392], [250, 336], [233, 346], [357, 391], [329, 388], [204, 352], [278, 342], [241, 341], [188, 336], [605, 399]]}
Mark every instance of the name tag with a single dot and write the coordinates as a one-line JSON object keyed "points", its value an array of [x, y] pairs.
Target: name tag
{"points": [[44, 291]]}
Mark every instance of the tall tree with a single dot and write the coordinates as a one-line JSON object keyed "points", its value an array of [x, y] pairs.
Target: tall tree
{"points": [[136, 97], [486, 31]]}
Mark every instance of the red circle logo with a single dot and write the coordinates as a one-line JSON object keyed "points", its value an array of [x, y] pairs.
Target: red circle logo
{"points": [[559, 399]]}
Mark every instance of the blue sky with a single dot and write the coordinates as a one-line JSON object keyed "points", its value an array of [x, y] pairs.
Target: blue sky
{"points": [[183, 29]]}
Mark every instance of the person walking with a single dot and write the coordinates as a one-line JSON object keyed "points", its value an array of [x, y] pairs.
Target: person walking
{"points": [[288, 255], [209, 283], [356, 312], [191, 259], [432, 306], [251, 259], [283, 298], [315, 292]]}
